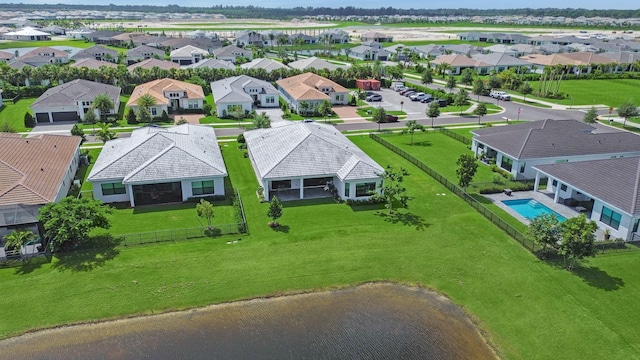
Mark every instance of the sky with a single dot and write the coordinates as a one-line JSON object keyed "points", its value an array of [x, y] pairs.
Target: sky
{"points": [[405, 4]]}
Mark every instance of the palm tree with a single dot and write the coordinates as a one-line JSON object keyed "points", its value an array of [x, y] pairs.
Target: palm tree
{"points": [[105, 133], [18, 238], [103, 104]]}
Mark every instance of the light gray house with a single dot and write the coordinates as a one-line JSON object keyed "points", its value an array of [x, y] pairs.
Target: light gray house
{"points": [[500, 62], [610, 192], [72, 100], [302, 160], [518, 148], [242, 92], [212, 63], [231, 53], [160, 165], [143, 52], [263, 63], [369, 51], [97, 52], [313, 63], [188, 55]]}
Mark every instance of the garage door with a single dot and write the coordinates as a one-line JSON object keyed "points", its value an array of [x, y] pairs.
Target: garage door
{"points": [[42, 117], [65, 116]]}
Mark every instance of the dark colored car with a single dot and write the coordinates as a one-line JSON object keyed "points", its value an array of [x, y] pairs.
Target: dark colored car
{"points": [[392, 118], [442, 102], [404, 91], [427, 99], [409, 93]]}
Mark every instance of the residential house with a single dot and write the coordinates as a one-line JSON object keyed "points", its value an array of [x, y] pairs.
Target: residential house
{"points": [[463, 49], [518, 148], [151, 40], [188, 55], [498, 38], [610, 193], [43, 56], [313, 62], [143, 52], [500, 62], [151, 63], [459, 62], [101, 36], [5, 56], [168, 94], [308, 89], [242, 92], [212, 63], [625, 59], [503, 49], [200, 42], [34, 171], [72, 100], [305, 159], [97, 52], [300, 38], [376, 36], [231, 53], [79, 33], [160, 165], [576, 63], [54, 30], [248, 38], [335, 36], [264, 63], [124, 39], [27, 34], [271, 37], [369, 51], [429, 51]]}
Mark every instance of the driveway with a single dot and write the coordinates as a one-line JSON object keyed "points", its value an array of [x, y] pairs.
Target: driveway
{"points": [[348, 114], [193, 119]]}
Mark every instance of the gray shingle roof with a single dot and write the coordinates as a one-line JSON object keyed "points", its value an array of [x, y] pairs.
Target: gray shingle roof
{"points": [[308, 149], [267, 64], [554, 138], [76, 90], [212, 63], [231, 90], [313, 62], [144, 50], [160, 154], [93, 51], [614, 181]]}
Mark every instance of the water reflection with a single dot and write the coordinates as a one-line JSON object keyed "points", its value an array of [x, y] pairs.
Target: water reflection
{"points": [[379, 321]]}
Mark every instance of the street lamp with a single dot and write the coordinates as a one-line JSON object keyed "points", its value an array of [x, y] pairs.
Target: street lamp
{"points": [[519, 113], [401, 105]]}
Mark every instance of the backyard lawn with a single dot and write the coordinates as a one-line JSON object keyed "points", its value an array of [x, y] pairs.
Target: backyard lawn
{"points": [[13, 114], [527, 309]]}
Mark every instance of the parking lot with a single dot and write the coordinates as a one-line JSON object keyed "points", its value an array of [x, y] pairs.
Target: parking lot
{"points": [[391, 101]]}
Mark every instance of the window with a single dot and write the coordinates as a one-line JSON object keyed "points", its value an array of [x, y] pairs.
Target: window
{"points": [[347, 189], [365, 189], [506, 163], [202, 187], [154, 111], [610, 217], [563, 187], [522, 166], [270, 99], [192, 104], [555, 183], [113, 189], [281, 185]]}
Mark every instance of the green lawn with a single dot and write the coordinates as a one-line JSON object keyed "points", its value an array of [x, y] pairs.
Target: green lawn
{"points": [[22, 44], [13, 114], [594, 92], [83, 171], [527, 309]]}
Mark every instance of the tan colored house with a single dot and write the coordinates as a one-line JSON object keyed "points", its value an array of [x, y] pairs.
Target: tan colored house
{"points": [[311, 89], [577, 62], [43, 56], [168, 93]]}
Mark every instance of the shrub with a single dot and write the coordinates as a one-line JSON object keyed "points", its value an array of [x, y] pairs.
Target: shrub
{"points": [[164, 117], [6, 127], [207, 109], [492, 190], [29, 121], [240, 139], [77, 131], [131, 117]]}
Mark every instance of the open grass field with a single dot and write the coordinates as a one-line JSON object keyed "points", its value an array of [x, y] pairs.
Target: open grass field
{"points": [[595, 92], [526, 308], [21, 44]]}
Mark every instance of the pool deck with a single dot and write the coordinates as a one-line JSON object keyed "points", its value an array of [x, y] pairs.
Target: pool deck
{"points": [[543, 197]]}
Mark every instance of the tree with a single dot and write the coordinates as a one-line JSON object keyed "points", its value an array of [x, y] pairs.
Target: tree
{"points": [[77, 131], [480, 110], [275, 211], [427, 77], [433, 111], [144, 102], [544, 231], [69, 221], [131, 117], [29, 121], [467, 167], [467, 76], [591, 116], [90, 118], [103, 103], [626, 111], [105, 133], [578, 239], [525, 89], [205, 210], [412, 126], [17, 238], [478, 88], [461, 99], [451, 83], [390, 189], [325, 109], [494, 82], [379, 116], [261, 121]]}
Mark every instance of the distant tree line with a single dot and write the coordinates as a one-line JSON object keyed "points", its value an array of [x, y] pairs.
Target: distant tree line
{"points": [[283, 13]]}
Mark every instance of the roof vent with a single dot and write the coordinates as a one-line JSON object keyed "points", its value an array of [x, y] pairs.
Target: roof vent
{"points": [[41, 169]]}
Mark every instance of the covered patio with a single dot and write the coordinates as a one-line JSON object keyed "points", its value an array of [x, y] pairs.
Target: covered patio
{"points": [[312, 188]]}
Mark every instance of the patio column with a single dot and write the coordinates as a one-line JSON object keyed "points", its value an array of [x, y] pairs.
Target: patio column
{"points": [[301, 188], [556, 196], [131, 199], [537, 182]]}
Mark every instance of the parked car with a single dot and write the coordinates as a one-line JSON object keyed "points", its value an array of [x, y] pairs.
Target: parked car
{"points": [[442, 102], [427, 99], [500, 95], [409, 93], [418, 96], [374, 97], [406, 90], [369, 93], [307, 121], [399, 88], [392, 118]]}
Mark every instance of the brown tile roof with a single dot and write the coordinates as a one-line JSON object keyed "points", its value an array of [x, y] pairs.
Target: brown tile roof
{"points": [[151, 63], [33, 169], [156, 88], [586, 58], [44, 50], [303, 86], [457, 60], [91, 63], [575, 58]]}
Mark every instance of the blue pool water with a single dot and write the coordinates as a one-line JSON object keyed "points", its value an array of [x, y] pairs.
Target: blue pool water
{"points": [[530, 208]]}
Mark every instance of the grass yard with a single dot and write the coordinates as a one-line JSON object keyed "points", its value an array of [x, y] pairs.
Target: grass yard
{"points": [[83, 171], [594, 92], [438, 151], [526, 308], [22, 44], [13, 114]]}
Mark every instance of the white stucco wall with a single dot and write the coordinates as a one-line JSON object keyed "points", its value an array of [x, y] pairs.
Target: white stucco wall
{"points": [[626, 224], [220, 107], [187, 190], [97, 192]]}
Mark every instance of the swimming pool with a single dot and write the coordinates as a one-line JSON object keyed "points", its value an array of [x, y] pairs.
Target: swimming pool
{"points": [[530, 208]]}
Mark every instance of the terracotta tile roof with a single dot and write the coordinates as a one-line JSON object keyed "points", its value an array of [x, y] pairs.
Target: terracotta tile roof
{"points": [[44, 50], [303, 86], [156, 88], [33, 169]]}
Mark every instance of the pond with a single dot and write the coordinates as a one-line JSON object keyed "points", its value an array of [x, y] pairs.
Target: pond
{"points": [[372, 321]]}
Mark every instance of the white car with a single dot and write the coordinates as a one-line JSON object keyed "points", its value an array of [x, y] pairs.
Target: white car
{"points": [[500, 95]]}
